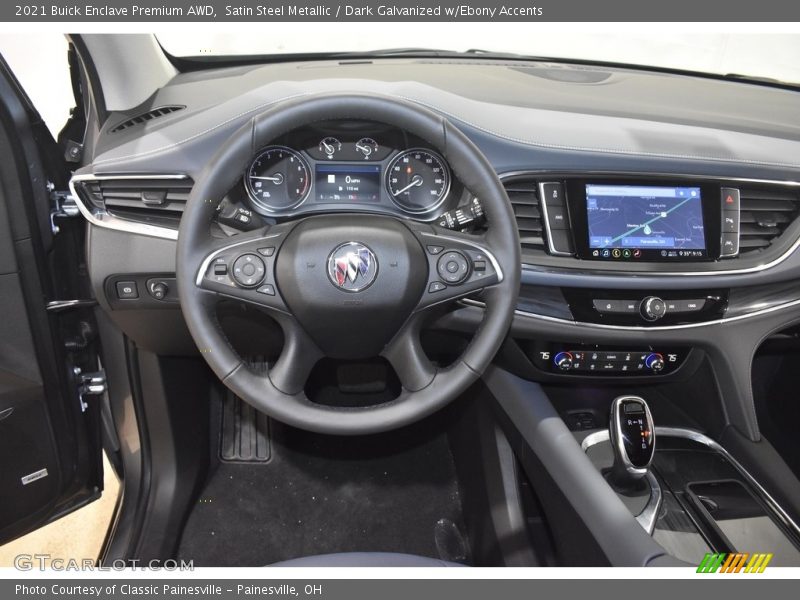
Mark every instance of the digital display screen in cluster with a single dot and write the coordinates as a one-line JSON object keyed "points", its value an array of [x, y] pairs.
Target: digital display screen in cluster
{"points": [[336, 182]]}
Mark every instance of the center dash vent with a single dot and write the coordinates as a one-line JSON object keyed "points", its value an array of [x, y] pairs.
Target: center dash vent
{"points": [[151, 114], [765, 215], [156, 201], [524, 197]]}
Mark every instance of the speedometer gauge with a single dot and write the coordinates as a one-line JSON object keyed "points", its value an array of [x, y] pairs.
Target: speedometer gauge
{"points": [[418, 180], [278, 179]]}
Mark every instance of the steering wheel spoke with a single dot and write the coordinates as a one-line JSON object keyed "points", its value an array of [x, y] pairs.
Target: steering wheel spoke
{"points": [[245, 270], [406, 356], [458, 265], [290, 373]]}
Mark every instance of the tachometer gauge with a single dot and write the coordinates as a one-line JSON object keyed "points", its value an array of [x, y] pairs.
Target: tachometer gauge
{"points": [[329, 146], [418, 180], [366, 147], [278, 179]]}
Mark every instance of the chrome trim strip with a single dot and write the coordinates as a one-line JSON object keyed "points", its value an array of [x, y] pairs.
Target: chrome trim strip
{"points": [[530, 315], [721, 179], [701, 438], [102, 218], [647, 518]]}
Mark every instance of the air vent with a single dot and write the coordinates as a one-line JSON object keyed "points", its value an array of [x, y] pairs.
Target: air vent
{"points": [[146, 116], [154, 201], [524, 198], [765, 215]]}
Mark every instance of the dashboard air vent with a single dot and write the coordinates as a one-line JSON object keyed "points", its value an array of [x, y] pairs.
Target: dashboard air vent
{"points": [[146, 116], [154, 201], [765, 215], [524, 197]]}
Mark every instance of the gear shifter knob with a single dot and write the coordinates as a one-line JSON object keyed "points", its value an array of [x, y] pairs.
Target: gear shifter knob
{"points": [[633, 440]]}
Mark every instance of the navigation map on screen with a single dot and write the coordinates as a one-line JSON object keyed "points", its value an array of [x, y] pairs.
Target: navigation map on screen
{"points": [[645, 217]]}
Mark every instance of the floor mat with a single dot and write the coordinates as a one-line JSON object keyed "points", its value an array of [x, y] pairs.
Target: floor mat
{"points": [[395, 492]]}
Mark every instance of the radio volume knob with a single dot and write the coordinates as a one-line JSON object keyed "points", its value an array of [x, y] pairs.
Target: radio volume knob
{"points": [[563, 360], [653, 308]]}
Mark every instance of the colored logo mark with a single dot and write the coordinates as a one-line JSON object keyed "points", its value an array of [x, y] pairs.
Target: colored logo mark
{"points": [[739, 562]]}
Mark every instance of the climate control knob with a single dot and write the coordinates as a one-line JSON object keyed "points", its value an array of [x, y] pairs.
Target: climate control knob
{"points": [[654, 362], [563, 360], [653, 308]]}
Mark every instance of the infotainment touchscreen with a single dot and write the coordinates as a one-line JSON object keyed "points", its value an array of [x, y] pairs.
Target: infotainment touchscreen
{"points": [[632, 221]]}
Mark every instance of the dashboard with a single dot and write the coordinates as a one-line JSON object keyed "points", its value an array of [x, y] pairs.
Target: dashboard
{"points": [[672, 238], [343, 166]]}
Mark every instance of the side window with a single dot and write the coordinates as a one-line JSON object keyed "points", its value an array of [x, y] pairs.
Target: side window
{"points": [[40, 65]]}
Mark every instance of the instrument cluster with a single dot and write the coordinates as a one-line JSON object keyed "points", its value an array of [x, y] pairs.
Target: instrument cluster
{"points": [[351, 165]]}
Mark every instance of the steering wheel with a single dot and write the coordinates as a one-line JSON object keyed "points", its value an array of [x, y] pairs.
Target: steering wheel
{"points": [[347, 286]]}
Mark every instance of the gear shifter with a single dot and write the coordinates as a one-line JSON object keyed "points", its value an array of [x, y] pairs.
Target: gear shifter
{"points": [[633, 440]]}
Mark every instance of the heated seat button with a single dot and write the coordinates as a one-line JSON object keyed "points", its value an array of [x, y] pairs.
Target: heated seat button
{"points": [[127, 290]]}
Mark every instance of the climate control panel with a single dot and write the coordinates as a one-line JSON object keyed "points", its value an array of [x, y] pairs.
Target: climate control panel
{"points": [[579, 359]]}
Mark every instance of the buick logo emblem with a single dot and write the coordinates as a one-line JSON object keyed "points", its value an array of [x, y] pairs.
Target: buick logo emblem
{"points": [[352, 267]]}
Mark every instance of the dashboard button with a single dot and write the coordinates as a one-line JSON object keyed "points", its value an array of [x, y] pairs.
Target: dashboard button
{"points": [[730, 244], [127, 290], [730, 221], [561, 241], [557, 217], [730, 199], [628, 306], [612, 356], [606, 306], [553, 194], [691, 305]]}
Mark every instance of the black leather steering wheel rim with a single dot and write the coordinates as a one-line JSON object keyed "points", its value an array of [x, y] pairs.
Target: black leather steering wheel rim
{"points": [[225, 170]]}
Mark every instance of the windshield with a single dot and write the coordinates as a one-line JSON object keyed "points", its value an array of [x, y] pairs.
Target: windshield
{"points": [[771, 56]]}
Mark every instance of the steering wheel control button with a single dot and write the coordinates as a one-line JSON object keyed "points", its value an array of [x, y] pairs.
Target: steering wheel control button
{"points": [[453, 267], [248, 270], [127, 290], [435, 250], [220, 269], [479, 265], [267, 251], [653, 308], [267, 289], [436, 286]]}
